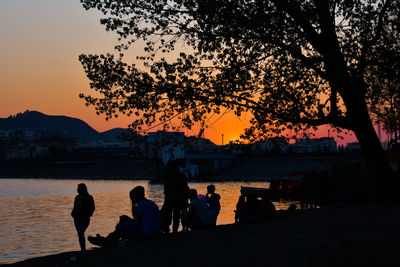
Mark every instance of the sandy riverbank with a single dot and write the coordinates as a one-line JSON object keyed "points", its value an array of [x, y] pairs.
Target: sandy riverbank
{"points": [[357, 234]]}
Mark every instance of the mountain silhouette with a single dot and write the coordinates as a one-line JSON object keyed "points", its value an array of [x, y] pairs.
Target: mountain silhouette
{"points": [[119, 134], [59, 125]]}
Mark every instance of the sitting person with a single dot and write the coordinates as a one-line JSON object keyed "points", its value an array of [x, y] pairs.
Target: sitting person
{"points": [[251, 210], [212, 199], [268, 208], [145, 223], [199, 214], [240, 205]]}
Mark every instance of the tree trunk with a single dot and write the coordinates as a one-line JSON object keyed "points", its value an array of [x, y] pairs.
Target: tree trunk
{"points": [[380, 174]]}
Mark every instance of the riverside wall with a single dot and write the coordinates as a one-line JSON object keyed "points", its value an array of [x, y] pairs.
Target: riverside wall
{"points": [[261, 168], [251, 168]]}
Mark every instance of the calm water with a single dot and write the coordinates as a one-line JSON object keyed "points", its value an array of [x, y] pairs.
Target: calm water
{"points": [[35, 214]]}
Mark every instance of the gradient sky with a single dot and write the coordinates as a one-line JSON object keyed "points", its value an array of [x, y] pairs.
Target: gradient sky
{"points": [[39, 70]]}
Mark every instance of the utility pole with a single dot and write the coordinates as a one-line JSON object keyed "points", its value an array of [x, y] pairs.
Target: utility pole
{"points": [[222, 143], [397, 146]]}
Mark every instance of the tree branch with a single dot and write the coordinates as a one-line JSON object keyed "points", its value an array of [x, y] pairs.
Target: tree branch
{"points": [[339, 121], [367, 46], [294, 11]]}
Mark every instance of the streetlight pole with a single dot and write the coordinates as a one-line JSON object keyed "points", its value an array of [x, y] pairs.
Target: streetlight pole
{"points": [[397, 145]]}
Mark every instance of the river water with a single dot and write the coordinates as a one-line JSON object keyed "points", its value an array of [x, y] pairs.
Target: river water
{"points": [[35, 213]]}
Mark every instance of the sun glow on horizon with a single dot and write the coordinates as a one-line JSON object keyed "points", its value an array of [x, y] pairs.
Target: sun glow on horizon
{"points": [[41, 71]]}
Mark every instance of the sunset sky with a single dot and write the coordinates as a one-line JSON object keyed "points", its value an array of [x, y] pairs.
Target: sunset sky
{"points": [[40, 44]]}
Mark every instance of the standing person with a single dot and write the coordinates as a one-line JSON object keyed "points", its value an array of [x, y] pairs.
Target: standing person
{"points": [[82, 211], [175, 197], [212, 200], [309, 191], [145, 222]]}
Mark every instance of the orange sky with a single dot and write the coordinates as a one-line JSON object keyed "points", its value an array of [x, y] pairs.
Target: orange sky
{"points": [[40, 44]]}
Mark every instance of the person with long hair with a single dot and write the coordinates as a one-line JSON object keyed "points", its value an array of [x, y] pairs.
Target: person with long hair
{"points": [[82, 211]]}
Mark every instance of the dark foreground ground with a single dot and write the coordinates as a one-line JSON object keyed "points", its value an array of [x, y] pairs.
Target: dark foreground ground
{"points": [[357, 234]]}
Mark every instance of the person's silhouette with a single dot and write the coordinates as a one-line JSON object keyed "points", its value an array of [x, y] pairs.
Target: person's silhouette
{"points": [[145, 222], [212, 199], [199, 214], [82, 211], [175, 197]]}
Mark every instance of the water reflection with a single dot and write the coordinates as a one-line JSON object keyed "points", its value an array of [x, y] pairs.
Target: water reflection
{"points": [[35, 214]]}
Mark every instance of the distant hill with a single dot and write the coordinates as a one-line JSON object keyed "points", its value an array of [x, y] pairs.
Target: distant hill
{"points": [[67, 126], [58, 125], [119, 134]]}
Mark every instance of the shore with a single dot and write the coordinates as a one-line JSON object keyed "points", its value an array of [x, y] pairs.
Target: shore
{"points": [[354, 234]]}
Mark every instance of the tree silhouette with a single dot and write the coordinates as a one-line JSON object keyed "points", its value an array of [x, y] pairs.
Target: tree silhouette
{"points": [[384, 100], [292, 64]]}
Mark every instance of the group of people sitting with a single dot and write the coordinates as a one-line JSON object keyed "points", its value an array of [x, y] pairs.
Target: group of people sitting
{"points": [[147, 220], [251, 209]]}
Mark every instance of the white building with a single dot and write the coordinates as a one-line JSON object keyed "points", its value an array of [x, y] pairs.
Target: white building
{"points": [[308, 145], [166, 145], [274, 144], [327, 144]]}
